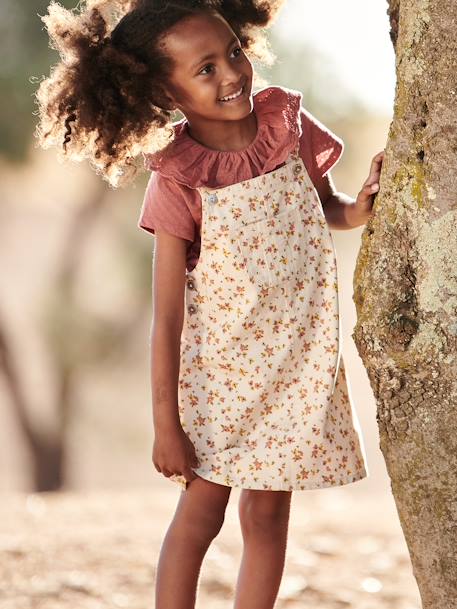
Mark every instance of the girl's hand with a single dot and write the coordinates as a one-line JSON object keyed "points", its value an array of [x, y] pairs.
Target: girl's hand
{"points": [[174, 453], [361, 210]]}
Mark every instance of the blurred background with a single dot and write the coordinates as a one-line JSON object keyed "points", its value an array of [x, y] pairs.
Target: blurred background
{"points": [[75, 311]]}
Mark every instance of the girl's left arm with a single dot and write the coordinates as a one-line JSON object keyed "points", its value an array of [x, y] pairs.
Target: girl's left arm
{"points": [[341, 211]]}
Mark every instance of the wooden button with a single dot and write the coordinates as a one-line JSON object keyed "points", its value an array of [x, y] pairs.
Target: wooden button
{"points": [[297, 168], [191, 285], [191, 308]]}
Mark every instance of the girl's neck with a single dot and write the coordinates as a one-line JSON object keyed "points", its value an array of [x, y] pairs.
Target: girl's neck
{"points": [[226, 136]]}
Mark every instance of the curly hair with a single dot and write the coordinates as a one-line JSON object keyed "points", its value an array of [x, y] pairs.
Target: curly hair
{"points": [[101, 101]]}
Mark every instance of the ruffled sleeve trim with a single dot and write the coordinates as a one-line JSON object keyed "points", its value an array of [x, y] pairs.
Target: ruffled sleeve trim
{"points": [[327, 148], [190, 163]]}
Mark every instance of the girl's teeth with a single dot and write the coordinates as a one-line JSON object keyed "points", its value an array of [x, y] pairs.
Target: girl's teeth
{"points": [[232, 96]]}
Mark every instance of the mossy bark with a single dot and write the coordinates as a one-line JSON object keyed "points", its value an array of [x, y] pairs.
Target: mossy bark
{"points": [[405, 292]]}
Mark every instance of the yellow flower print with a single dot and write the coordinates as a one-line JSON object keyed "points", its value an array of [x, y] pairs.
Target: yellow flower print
{"points": [[200, 420], [297, 454], [193, 399], [230, 384], [303, 392], [225, 306]]}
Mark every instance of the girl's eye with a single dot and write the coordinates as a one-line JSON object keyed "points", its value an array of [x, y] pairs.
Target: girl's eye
{"points": [[208, 66], [202, 71]]}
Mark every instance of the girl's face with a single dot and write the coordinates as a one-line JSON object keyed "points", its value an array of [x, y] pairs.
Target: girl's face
{"points": [[209, 64]]}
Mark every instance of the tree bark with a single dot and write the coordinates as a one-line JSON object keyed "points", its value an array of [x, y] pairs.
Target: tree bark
{"points": [[405, 292]]}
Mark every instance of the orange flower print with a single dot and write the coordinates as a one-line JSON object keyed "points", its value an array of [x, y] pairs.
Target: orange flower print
{"points": [[258, 464], [303, 473]]}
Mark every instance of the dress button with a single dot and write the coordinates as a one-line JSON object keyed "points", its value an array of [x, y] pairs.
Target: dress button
{"points": [[191, 285], [191, 308], [212, 198], [297, 168]]}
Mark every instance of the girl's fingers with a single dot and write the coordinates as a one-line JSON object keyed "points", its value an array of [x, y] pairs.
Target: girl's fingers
{"points": [[376, 161], [189, 474], [192, 456], [375, 171]]}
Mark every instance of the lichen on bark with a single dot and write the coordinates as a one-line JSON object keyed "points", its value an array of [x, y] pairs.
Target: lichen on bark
{"points": [[405, 293]]}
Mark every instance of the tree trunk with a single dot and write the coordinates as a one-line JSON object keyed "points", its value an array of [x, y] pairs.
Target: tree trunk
{"points": [[49, 449], [405, 292]]}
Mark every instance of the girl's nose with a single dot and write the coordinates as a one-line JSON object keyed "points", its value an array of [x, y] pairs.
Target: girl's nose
{"points": [[231, 76]]}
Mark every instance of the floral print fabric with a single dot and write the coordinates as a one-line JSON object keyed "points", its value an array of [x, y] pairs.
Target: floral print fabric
{"points": [[262, 388]]}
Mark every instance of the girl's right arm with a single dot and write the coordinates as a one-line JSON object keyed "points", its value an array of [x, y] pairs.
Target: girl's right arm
{"points": [[173, 451]]}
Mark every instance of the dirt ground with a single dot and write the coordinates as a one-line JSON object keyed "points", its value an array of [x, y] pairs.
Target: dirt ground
{"points": [[98, 549]]}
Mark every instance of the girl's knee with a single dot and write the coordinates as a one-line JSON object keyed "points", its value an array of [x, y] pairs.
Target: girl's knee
{"points": [[264, 512], [212, 517], [201, 511]]}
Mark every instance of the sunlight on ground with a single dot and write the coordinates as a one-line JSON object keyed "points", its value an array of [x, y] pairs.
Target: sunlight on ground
{"points": [[98, 550]]}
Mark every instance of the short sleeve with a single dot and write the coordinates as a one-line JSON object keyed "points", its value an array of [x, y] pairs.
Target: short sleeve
{"points": [[320, 148], [165, 207]]}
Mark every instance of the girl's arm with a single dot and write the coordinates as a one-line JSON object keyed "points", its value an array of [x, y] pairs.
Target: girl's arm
{"points": [[173, 451], [168, 283], [335, 204], [341, 211]]}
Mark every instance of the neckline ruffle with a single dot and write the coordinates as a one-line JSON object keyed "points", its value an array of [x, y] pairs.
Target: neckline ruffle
{"points": [[190, 163]]}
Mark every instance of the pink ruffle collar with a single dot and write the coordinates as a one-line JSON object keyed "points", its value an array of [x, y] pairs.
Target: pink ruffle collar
{"points": [[190, 163]]}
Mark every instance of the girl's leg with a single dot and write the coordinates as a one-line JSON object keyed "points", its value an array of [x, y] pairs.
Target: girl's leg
{"points": [[264, 519], [197, 520]]}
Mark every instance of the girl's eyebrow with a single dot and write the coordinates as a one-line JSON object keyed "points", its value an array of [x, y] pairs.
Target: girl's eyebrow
{"points": [[211, 55]]}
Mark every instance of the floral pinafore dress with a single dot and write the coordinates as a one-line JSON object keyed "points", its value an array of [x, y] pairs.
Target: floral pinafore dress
{"points": [[262, 388]]}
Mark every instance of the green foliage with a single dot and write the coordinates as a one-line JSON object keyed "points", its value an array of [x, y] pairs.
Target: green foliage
{"points": [[26, 56]]}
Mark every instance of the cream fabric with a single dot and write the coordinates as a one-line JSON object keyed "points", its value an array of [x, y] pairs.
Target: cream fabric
{"points": [[262, 388]]}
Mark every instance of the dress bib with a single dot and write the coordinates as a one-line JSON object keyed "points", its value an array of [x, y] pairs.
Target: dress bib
{"points": [[262, 389]]}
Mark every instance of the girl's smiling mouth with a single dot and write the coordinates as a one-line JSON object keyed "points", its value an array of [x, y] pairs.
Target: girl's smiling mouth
{"points": [[234, 97]]}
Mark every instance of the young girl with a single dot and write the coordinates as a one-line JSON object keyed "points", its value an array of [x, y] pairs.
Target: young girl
{"points": [[248, 383]]}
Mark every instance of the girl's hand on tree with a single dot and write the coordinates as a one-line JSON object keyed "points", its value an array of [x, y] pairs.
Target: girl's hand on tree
{"points": [[362, 208], [173, 453]]}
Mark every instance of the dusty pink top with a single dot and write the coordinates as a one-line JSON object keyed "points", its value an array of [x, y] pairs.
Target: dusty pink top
{"points": [[171, 201]]}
